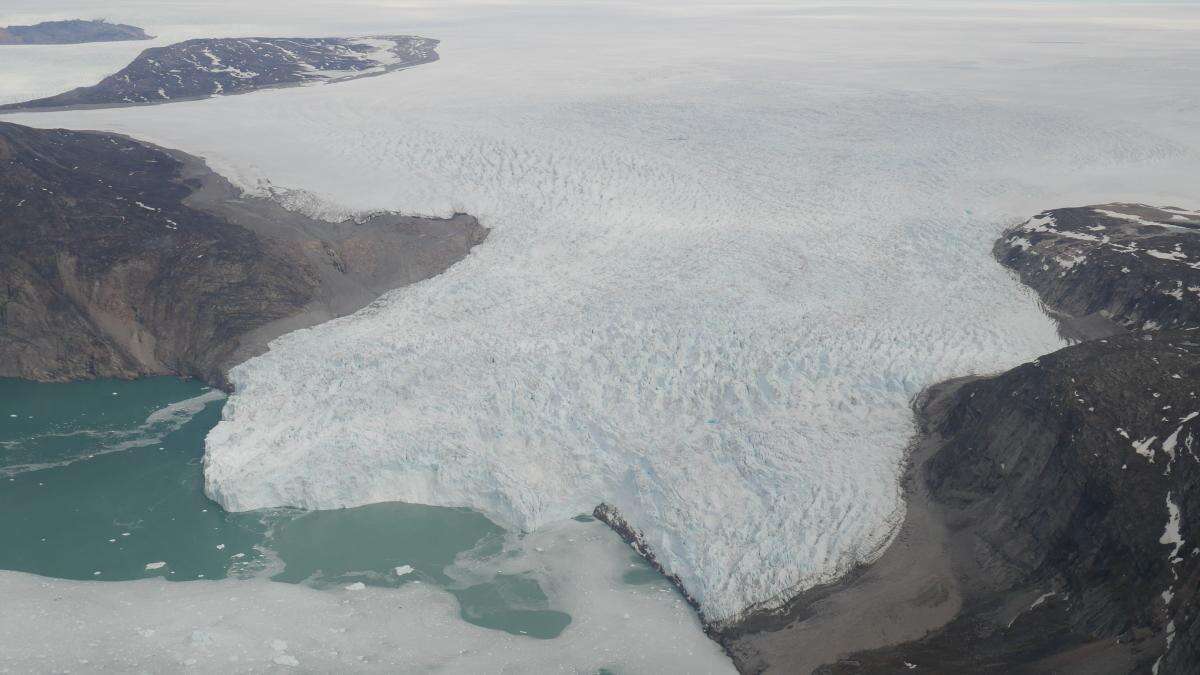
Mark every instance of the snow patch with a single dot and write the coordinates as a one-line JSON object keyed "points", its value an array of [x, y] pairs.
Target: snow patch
{"points": [[1143, 447], [1042, 598], [1174, 256], [1171, 533]]}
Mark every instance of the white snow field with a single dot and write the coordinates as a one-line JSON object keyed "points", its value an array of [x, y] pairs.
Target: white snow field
{"points": [[730, 242]]}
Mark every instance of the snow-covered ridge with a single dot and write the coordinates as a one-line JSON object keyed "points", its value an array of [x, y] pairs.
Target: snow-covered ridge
{"points": [[1123, 249], [219, 66]]}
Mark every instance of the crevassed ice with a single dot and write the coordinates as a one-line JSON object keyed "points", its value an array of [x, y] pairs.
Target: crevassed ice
{"points": [[729, 246]]}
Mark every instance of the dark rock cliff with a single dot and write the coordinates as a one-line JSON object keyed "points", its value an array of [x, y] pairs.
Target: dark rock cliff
{"points": [[108, 270], [1132, 264], [1075, 479], [1070, 481]]}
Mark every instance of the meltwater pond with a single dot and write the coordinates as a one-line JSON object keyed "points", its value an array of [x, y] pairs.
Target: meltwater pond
{"points": [[103, 481]]}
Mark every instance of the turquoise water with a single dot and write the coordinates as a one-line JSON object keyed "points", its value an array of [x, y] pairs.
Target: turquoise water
{"points": [[102, 480], [131, 494]]}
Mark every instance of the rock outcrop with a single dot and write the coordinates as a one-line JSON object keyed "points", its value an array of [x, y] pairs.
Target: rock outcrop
{"points": [[1068, 485], [121, 259], [71, 31], [1128, 264], [201, 68]]}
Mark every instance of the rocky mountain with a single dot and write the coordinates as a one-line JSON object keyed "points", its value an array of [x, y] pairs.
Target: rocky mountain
{"points": [[1130, 264], [1066, 490], [219, 66], [72, 31], [121, 259], [1068, 484]]}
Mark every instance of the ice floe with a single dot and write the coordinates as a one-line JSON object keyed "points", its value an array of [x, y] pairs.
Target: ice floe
{"points": [[155, 625]]}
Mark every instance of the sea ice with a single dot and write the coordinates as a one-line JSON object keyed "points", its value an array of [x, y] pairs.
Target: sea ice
{"points": [[729, 245], [239, 625]]}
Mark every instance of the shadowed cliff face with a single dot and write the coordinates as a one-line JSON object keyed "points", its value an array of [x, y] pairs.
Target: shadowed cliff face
{"points": [[1064, 480], [105, 271]]}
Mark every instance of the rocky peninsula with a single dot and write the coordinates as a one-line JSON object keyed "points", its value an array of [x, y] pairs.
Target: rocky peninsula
{"points": [[122, 259], [201, 68], [71, 31]]}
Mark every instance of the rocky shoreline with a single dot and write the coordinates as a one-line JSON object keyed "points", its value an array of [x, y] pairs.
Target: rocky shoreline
{"points": [[122, 259], [1048, 524]]}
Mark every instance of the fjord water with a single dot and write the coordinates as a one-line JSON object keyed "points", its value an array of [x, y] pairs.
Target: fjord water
{"points": [[92, 489], [102, 480]]}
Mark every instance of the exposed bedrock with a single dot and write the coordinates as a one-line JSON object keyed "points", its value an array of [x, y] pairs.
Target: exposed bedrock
{"points": [[1060, 498], [1128, 265], [121, 259], [1064, 486]]}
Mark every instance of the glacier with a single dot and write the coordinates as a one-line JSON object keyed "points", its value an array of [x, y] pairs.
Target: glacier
{"points": [[729, 244]]}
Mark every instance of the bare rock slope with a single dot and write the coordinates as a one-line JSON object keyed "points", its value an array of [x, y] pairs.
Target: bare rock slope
{"points": [[121, 259], [1128, 264]]}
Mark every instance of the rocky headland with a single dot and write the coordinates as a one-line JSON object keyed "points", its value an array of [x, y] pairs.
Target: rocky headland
{"points": [[122, 259], [71, 31], [1051, 523], [201, 68]]}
